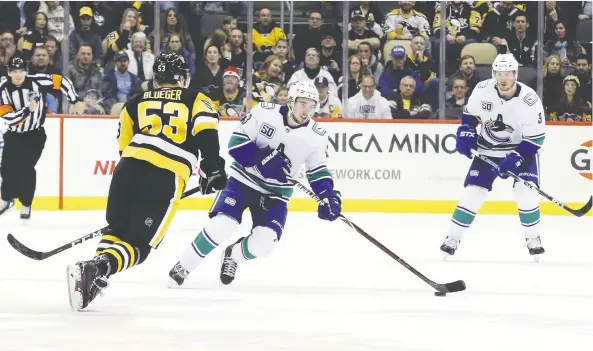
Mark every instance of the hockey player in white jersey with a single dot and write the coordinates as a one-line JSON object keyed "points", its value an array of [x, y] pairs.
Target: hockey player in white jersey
{"points": [[270, 142], [512, 133]]}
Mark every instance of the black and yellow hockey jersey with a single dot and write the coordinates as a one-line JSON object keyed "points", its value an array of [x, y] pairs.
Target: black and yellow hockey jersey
{"points": [[169, 127]]}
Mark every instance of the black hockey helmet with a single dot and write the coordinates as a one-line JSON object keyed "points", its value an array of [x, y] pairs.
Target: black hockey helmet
{"points": [[171, 68], [16, 62]]}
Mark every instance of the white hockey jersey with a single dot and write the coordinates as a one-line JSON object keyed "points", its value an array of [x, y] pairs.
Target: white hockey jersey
{"points": [[506, 123], [266, 125]]}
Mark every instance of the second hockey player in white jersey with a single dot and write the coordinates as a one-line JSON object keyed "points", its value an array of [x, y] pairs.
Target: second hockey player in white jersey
{"points": [[270, 142], [512, 133]]}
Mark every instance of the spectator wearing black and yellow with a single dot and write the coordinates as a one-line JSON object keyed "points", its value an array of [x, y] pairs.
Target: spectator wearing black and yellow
{"points": [[480, 10], [360, 33], [86, 33], [563, 45], [406, 103], [173, 22], [454, 105], [35, 37], [229, 99], [571, 106], [268, 79], [462, 28], [405, 23], [498, 23], [176, 44], [374, 65], [266, 32], [308, 37], [281, 50], [584, 75], [419, 63], [330, 57], [519, 42], [119, 39], [144, 11]]}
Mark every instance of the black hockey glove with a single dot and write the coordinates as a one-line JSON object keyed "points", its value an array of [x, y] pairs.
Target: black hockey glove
{"points": [[212, 177]]}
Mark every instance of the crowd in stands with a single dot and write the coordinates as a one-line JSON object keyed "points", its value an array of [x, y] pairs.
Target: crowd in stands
{"points": [[393, 54]]}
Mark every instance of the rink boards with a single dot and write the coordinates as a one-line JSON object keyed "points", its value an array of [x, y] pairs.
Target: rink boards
{"points": [[378, 167]]}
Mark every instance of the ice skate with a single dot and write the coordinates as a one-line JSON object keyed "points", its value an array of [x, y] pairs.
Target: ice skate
{"points": [[229, 266], [449, 246], [535, 247], [25, 212], [86, 279], [6, 205], [178, 274]]}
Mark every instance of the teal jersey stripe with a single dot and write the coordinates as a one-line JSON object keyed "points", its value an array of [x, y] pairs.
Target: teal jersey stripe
{"points": [[318, 174], [237, 140], [538, 141]]}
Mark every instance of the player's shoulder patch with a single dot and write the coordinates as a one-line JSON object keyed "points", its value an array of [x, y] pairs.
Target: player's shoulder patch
{"points": [[483, 84], [318, 129], [531, 98]]}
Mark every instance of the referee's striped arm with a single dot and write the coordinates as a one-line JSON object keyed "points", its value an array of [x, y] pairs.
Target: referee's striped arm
{"points": [[57, 82], [12, 117]]}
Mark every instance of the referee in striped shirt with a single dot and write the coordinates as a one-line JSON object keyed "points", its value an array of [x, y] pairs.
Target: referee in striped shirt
{"points": [[22, 115]]}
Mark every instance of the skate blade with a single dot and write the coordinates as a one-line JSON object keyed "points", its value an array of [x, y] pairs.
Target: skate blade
{"points": [[172, 284], [73, 275], [536, 258]]}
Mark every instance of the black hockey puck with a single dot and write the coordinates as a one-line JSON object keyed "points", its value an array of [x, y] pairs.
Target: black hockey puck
{"points": [[438, 293]]}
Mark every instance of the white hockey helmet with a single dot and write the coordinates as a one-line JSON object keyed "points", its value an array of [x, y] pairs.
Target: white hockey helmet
{"points": [[305, 90], [505, 63]]}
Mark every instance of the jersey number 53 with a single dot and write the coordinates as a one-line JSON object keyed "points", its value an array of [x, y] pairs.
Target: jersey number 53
{"points": [[152, 123]]}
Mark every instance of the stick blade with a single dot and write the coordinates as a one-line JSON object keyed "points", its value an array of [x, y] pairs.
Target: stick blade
{"points": [[583, 211], [455, 286], [18, 246]]}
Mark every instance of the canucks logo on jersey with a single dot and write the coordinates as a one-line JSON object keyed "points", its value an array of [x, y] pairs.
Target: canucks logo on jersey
{"points": [[497, 131]]}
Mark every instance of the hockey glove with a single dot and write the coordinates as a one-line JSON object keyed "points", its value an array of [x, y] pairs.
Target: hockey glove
{"points": [[331, 207], [271, 164], [467, 139], [511, 163], [212, 177]]}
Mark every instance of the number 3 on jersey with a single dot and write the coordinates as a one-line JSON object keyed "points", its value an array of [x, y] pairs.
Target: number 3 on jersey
{"points": [[152, 124]]}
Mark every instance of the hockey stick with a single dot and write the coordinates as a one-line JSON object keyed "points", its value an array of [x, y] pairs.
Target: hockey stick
{"points": [[38, 255], [579, 213], [452, 287]]}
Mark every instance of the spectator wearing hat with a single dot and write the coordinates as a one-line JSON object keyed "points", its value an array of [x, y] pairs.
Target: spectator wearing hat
{"points": [[119, 85], [584, 75], [370, 9], [312, 70], [309, 37], [389, 82], [329, 105], [571, 106], [368, 102], [230, 100], [86, 34], [360, 33], [330, 57]]}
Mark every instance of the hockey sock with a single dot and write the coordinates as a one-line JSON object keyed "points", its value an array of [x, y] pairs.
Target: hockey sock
{"points": [[529, 213], [471, 200], [259, 243], [121, 256], [215, 232], [106, 240]]}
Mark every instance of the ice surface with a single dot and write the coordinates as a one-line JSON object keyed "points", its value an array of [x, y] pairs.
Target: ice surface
{"points": [[324, 288]]}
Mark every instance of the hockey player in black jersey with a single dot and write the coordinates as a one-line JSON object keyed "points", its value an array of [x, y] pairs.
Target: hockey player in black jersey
{"points": [[162, 134]]}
